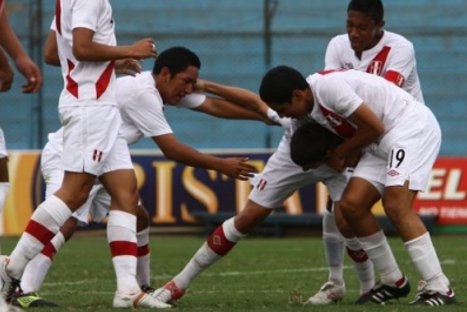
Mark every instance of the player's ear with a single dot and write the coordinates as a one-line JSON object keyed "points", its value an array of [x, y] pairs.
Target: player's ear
{"points": [[298, 95], [165, 74]]}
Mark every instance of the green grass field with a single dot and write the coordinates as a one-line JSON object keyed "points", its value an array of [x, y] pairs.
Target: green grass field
{"points": [[260, 274]]}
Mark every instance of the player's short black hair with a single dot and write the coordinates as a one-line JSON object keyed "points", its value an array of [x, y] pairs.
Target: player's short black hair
{"points": [[310, 143], [176, 59], [279, 83], [373, 8]]}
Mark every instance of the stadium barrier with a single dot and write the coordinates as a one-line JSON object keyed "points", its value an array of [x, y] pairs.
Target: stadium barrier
{"points": [[176, 195]]}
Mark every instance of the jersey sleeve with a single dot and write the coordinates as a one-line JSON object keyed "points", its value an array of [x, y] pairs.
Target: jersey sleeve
{"points": [[339, 96], [402, 63], [192, 100], [331, 58], [147, 114], [86, 14]]}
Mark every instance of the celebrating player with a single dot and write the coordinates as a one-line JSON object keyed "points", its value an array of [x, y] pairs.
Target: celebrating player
{"points": [[370, 48], [400, 140]]}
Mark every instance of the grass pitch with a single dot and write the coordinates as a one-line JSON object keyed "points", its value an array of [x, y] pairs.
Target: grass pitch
{"points": [[260, 274]]}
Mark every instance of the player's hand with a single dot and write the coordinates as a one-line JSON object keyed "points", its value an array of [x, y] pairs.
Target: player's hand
{"points": [[143, 48], [237, 167], [6, 76], [200, 85], [32, 74], [128, 67], [335, 160]]}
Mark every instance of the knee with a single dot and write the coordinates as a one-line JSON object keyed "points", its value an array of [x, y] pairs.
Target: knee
{"points": [[350, 210]]}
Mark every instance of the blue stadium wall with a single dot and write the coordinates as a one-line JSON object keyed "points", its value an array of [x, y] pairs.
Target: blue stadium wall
{"points": [[228, 36]]}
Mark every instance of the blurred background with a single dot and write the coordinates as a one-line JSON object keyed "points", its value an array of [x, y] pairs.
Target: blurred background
{"points": [[237, 41]]}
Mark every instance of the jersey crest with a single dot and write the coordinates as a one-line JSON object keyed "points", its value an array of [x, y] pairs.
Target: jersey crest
{"points": [[377, 64], [342, 127]]}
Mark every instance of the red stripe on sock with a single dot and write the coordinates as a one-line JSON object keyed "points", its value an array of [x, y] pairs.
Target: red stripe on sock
{"points": [[219, 243], [357, 255], [143, 250], [123, 248], [40, 232], [49, 251]]}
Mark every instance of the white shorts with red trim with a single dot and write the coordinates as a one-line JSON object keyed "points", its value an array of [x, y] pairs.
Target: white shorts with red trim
{"points": [[406, 153], [90, 139]]}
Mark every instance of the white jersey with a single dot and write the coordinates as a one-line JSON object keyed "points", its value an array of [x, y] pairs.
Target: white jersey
{"points": [[85, 82], [393, 58], [337, 94], [142, 108]]}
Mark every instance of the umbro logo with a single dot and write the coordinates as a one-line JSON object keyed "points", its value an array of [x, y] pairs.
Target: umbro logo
{"points": [[392, 173]]}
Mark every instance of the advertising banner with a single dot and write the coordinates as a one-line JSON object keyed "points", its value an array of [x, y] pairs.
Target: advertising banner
{"points": [[173, 193]]}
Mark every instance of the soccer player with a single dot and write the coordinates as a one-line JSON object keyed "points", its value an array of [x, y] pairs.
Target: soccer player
{"points": [[399, 139], [92, 147], [141, 100], [280, 178], [367, 47]]}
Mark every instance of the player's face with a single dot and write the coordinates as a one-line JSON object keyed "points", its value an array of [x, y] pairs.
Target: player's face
{"points": [[364, 33], [181, 85], [298, 107]]}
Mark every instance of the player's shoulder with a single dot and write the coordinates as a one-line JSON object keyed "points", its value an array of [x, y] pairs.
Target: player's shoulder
{"points": [[396, 40], [339, 40]]}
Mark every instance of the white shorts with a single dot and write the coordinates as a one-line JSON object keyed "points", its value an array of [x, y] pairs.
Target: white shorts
{"points": [[406, 153], [96, 206], [3, 152], [90, 140], [282, 177]]}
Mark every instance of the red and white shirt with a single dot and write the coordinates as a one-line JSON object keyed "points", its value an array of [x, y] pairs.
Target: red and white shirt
{"points": [[393, 58], [85, 82], [338, 94]]}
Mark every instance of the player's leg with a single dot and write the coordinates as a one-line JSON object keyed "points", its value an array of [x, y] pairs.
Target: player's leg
{"points": [[4, 178], [119, 180], [413, 158], [362, 264], [143, 266], [218, 245], [333, 241], [356, 203]]}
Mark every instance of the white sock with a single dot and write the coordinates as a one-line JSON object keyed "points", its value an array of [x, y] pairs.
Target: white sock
{"points": [[143, 267], [36, 270], [220, 242], [362, 264], [121, 235], [333, 242], [378, 250], [44, 224], [423, 255]]}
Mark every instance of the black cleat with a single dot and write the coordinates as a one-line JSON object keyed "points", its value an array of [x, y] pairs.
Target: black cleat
{"points": [[382, 293], [434, 298]]}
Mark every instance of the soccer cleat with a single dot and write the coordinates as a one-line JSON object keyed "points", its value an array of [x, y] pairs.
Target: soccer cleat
{"points": [[382, 293], [168, 293], [8, 284], [138, 300], [328, 293], [433, 298], [31, 300]]}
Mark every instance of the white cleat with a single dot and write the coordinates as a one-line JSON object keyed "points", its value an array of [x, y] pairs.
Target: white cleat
{"points": [[327, 294], [138, 300], [168, 293]]}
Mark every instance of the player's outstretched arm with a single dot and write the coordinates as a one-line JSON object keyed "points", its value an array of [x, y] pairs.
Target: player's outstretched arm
{"points": [[85, 49], [235, 167]]}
